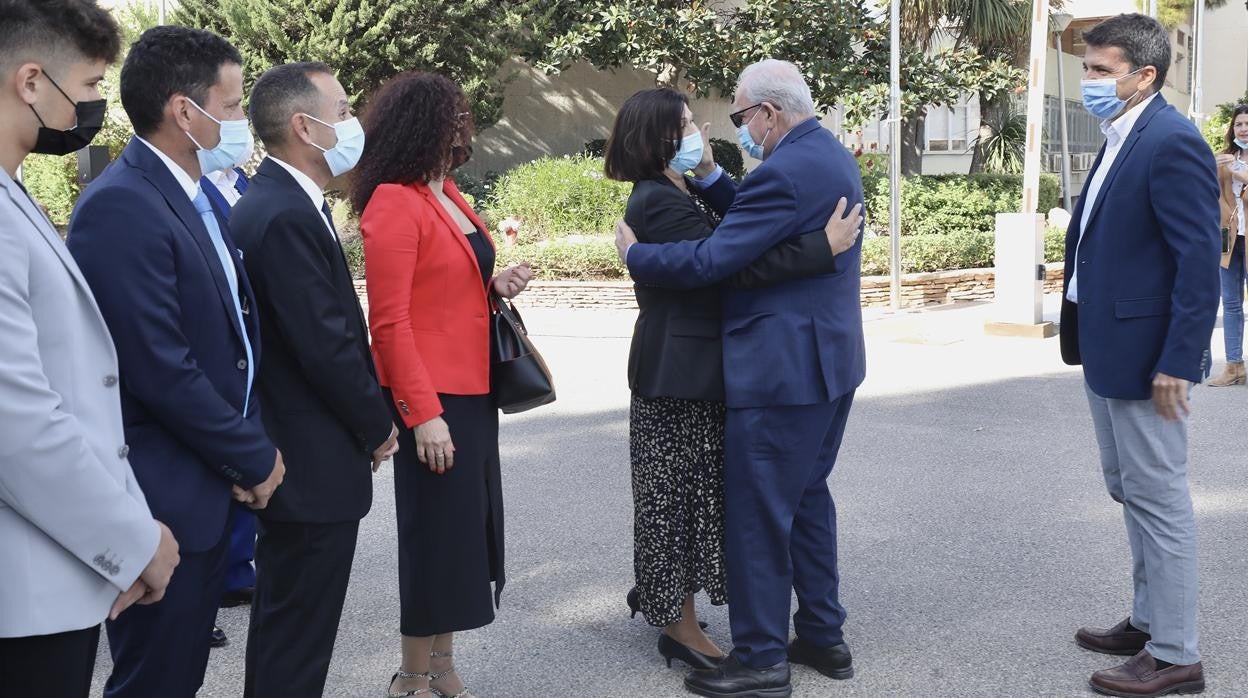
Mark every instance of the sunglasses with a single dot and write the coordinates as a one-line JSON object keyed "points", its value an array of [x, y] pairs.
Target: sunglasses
{"points": [[738, 117]]}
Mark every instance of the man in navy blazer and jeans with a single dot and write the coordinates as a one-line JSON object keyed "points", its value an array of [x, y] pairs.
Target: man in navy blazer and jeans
{"points": [[793, 357], [1141, 297], [173, 291]]}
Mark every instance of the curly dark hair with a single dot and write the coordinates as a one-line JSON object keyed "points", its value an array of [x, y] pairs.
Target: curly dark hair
{"points": [[411, 126], [1239, 110]]}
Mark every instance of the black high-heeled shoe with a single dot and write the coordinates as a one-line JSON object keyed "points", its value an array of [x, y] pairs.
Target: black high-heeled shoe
{"points": [[671, 649], [634, 605]]}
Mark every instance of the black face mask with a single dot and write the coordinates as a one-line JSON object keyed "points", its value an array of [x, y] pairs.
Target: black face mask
{"points": [[89, 118], [460, 154]]}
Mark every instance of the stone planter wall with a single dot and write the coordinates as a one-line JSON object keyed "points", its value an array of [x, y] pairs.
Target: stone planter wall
{"points": [[934, 288]]}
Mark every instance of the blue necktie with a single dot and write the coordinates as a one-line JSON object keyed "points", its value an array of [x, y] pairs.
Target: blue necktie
{"points": [[204, 208]]}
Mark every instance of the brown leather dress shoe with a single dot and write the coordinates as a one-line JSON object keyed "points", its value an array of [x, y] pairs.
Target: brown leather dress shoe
{"points": [[1115, 640], [1140, 678]]}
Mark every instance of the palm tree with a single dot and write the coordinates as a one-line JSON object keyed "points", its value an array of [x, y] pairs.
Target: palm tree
{"points": [[995, 28]]}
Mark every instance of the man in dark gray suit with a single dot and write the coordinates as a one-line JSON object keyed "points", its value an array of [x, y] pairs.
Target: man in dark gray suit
{"points": [[77, 541]]}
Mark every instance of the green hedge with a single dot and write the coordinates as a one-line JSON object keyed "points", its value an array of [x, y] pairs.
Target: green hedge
{"points": [[594, 259], [586, 259], [941, 204], [558, 197]]}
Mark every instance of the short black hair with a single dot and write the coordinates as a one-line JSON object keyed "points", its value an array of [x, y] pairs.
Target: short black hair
{"points": [[279, 93], [40, 27], [167, 61], [1142, 40], [645, 135]]}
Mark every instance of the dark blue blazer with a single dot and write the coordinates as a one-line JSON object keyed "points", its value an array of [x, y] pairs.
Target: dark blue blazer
{"points": [[798, 342], [154, 271], [1148, 263]]}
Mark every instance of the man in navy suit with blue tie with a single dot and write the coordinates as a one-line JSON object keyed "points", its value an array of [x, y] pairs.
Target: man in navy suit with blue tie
{"points": [[1141, 298], [224, 183], [793, 357], [172, 288]]}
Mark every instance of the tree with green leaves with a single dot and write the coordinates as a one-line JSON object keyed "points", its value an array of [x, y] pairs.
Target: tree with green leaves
{"points": [[702, 46], [1172, 13], [997, 30], [367, 42]]}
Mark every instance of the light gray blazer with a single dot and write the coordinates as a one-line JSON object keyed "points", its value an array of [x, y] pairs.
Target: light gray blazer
{"points": [[75, 530]]}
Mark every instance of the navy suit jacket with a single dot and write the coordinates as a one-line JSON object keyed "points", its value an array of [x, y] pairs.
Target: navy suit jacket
{"points": [[798, 342], [158, 280], [1148, 262]]}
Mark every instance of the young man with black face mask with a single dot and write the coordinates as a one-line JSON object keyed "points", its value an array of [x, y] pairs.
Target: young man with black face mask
{"points": [[77, 541]]}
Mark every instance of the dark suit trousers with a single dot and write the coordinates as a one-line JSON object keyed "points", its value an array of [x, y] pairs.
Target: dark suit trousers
{"points": [[162, 649], [781, 526], [51, 666], [302, 570]]}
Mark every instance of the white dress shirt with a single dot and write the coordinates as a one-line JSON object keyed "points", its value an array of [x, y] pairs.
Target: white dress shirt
{"points": [[188, 183], [309, 187], [225, 181], [1115, 135]]}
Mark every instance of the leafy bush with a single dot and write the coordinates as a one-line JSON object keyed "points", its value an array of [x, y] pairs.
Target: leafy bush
{"points": [[936, 204], [478, 189], [728, 156], [581, 259], [944, 252], [557, 197], [595, 148], [872, 164]]}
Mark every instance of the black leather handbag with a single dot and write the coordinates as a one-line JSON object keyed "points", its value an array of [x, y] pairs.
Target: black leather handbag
{"points": [[519, 378]]}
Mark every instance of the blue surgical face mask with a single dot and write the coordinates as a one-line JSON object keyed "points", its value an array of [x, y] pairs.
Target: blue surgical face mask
{"points": [[345, 154], [755, 150], [1100, 97], [235, 141], [1243, 145], [688, 153]]}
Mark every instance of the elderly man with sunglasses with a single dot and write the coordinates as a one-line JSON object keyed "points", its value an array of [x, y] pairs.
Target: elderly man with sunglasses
{"points": [[793, 357]]}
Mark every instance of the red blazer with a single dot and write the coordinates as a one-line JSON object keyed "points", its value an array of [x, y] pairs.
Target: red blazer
{"points": [[427, 308]]}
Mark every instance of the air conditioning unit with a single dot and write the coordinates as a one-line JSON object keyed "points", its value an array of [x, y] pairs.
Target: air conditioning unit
{"points": [[1083, 161]]}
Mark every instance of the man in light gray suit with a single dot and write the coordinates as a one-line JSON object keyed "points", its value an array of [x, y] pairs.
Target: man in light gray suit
{"points": [[77, 541]]}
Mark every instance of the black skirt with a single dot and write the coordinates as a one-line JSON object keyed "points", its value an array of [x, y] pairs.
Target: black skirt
{"points": [[450, 526]]}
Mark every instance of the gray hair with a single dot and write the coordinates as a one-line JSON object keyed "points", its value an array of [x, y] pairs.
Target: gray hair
{"points": [[780, 83]]}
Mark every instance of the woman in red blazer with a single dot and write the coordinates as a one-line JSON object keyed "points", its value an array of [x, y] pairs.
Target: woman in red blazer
{"points": [[429, 264]]}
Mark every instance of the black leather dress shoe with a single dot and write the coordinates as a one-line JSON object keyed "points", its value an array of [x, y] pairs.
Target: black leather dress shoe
{"points": [[732, 679], [238, 597], [218, 638], [834, 662]]}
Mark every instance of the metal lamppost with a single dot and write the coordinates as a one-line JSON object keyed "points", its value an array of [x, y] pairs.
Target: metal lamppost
{"points": [[1061, 20], [894, 155]]}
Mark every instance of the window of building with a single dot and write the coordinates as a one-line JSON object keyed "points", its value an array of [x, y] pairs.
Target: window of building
{"points": [[949, 127]]}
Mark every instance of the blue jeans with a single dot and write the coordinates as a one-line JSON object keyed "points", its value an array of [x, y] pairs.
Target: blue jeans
{"points": [[1233, 303]]}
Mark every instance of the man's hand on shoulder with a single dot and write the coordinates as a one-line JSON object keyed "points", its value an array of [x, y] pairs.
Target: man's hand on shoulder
{"points": [[624, 239]]}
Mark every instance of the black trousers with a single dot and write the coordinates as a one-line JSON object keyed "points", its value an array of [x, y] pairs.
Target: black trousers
{"points": [[302, 571], [162, 649], [54, 666]]}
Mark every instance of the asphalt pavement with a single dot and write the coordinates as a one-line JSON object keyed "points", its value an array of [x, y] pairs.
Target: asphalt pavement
{"points": [[975, 531]]}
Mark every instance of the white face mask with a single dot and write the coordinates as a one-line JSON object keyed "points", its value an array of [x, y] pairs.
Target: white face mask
{"points": [[235, 142], [345, 154]]}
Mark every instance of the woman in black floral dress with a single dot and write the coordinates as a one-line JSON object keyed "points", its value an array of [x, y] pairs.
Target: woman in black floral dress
{"points": [[675, 367]]}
